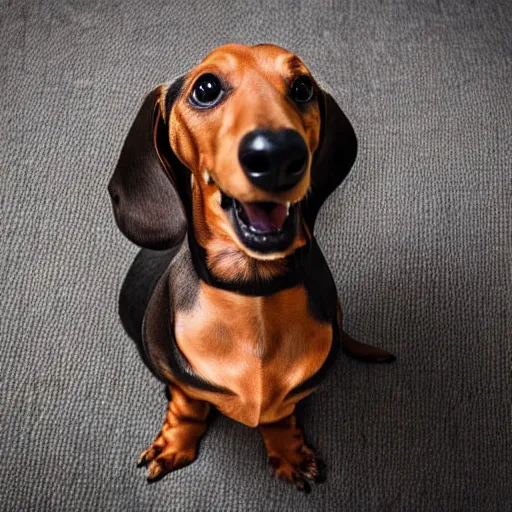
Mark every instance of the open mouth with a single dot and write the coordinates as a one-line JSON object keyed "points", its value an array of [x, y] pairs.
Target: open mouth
{"points": [[263, 226]]}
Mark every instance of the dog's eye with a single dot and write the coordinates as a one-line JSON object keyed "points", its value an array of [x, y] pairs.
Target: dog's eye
{"points": [[302, 89], [207, 91]]}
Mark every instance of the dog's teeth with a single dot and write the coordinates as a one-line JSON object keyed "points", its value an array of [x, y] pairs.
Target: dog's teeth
{"points": [[207, 178], [287, 208]]}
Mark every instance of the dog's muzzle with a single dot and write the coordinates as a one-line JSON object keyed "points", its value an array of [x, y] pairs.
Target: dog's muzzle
{"points": [[275, 162]]}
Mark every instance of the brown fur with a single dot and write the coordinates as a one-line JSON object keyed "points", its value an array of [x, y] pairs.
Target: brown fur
{"points": [[268, 348], [176, 444], [290, 457]]}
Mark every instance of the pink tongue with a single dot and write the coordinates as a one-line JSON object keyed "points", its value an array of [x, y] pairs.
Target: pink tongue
{"points": [[265, 216]]}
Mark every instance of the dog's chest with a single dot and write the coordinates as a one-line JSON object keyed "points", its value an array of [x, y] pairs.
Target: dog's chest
{"points": [[259, 348]]}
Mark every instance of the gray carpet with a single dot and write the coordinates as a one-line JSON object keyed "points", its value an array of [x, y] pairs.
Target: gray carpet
{"points": [[419, 238]]}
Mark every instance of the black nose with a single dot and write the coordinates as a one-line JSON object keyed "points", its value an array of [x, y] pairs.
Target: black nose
{"points": [[273, 160]]}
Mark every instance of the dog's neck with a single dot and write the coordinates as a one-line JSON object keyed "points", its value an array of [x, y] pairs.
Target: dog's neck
{"points": [[229, 263], [250, 277]]}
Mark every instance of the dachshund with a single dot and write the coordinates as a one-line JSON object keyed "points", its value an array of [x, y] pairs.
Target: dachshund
{"points": [[230, 301]]}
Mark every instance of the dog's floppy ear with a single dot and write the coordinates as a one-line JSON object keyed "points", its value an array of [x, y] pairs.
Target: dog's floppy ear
{"points": [[145, 198], [334, 156]]}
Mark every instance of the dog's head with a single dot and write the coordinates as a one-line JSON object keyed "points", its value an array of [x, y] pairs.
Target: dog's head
{"points": [[258, 140]]}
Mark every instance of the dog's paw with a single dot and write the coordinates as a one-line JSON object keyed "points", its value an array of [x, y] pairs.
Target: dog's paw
{"points": [[163, 456], [291, 459], [176, 444], [299, 467]]}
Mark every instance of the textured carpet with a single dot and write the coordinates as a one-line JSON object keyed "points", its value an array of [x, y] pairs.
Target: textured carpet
{"points": [[419, 238]]}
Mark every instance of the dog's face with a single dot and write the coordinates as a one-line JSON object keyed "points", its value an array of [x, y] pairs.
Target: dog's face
{"points": [[263, 146], [247, 124]]}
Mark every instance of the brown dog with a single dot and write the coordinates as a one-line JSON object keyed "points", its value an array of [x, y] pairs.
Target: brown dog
{"points": [[222, 175]]}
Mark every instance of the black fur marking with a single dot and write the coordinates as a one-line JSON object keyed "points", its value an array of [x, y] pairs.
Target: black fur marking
{"points": [[173, 93], [136, 292], [183, 281], [334, 156], [320, 286]]}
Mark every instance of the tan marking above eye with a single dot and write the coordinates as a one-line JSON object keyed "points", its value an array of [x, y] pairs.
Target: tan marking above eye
{"points": [[294, 62]]}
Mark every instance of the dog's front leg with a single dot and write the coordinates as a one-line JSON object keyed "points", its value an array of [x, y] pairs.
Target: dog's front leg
{"points": [[176, 444], [288, 454]]}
